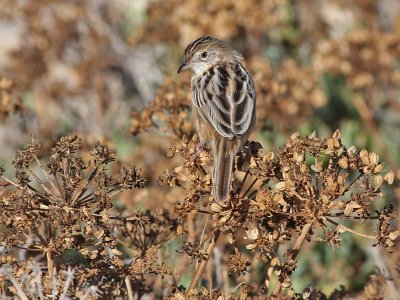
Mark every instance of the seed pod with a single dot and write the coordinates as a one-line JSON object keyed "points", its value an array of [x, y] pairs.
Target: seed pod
{"points": [[373, 158], [378, 181], [364, 157], [179, 296], [367, 170], [352, 150], [389, 177], [216, 207], [280, 186], [268, 157], [275, 261], [252, 234], [116, 252], [180, 230], [287, 283], [251, 246], [394, 235], [343, 162]]}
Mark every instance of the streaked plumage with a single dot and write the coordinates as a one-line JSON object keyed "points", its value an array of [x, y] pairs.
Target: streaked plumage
{"points": [[223, 104]]}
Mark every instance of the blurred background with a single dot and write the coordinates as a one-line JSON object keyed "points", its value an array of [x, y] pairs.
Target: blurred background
{"points": [[106, 70]]}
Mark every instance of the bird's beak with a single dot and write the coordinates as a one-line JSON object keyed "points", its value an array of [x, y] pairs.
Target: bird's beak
{"points": [[184, 66]]}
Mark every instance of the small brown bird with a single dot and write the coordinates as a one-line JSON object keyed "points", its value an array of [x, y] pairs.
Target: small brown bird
{"points": [[223, 104]]}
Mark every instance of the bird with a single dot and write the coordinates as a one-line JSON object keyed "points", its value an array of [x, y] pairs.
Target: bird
{"points": [[223, 105]]}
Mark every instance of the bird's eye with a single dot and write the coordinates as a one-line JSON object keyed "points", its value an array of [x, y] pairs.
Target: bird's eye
{"points": [[204, 54]]}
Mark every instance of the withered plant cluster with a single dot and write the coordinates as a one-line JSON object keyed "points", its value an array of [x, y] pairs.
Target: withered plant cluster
{"points": [[10, 100], [307, 43], [219, 19], [61, 236], [58, 235], [76, 222], [69, 60], [306, 190]]}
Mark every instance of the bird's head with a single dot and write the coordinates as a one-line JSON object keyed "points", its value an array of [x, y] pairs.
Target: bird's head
{"points": [[206, 52]]}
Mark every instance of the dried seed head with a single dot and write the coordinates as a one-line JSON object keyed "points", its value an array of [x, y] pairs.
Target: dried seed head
{"points": [[389, 177], [343, 162], [216, 207], [281, 186]]}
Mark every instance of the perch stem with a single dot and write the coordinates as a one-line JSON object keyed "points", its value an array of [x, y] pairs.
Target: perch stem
{"points": [[49, 263], [345, 228], [129, 287], [296, 248], [203, 264]]}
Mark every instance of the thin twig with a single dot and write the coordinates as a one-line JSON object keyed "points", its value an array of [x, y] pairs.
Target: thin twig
{"points": [[351, 184], [243, 182], [20, 292], [49, 263], [201, 169], [298, 195], [41, 238], [208, 237], [59, 186], [252, 195], [203, 264], [86, 186], [50, 192], [236, 287], [341, 214], [129, 287], [341, 227], [204, 229], [15, 184], [115, 192], [249, 188], [296, 248], [46, 174], [41, 195]]}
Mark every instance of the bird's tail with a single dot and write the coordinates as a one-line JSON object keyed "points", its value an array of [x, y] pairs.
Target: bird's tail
{"points": [[222, 173]]}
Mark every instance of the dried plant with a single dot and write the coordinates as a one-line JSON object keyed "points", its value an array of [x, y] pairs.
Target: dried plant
{"points": [[289, 92], [64, 206], [309, 185], [169, 112], [10, 100], [219, 19], [77, 222]]}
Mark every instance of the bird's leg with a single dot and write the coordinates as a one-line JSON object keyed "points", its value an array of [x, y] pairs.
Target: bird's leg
{"points": [[199, 149]]}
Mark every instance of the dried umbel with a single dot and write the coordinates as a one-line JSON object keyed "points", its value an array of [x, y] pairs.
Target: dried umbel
{"points": [[67, 189], [366, 58], [66, 58], [305, 190], [169, 111], [218, 18], [64, 206], [364, 63], [303, 55], [302, 191], [10, 100], [290, 91]]}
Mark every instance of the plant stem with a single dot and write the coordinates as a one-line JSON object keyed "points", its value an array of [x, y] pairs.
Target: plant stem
{"points": [[342, 228], [296, 248], [129, 287], [49, 263], [249, 188], [203, 264], [243, 182]]}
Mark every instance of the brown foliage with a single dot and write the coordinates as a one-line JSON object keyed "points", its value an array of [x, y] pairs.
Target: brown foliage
{"points": [[70, 224]]}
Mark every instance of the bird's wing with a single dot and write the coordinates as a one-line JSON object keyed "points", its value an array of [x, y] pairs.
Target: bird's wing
{"points": [[226, 99]]}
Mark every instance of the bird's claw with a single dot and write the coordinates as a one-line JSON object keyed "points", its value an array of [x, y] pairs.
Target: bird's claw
{"points": [[196, 155]]}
